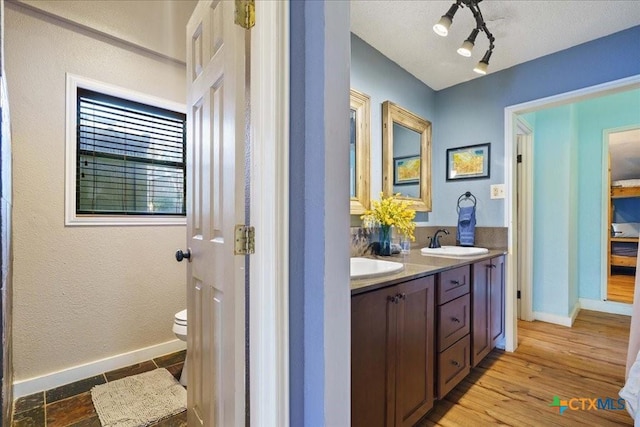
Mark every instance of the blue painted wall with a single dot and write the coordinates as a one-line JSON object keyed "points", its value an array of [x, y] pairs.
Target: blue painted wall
{"points": [[383, 80], [319, 295], [473, 112], [626, 210], [551, 213], [596, 116], [568, 201]]}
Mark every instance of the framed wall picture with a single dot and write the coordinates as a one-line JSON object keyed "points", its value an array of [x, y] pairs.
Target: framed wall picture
{"points": [[470, 162], [406, 170]]}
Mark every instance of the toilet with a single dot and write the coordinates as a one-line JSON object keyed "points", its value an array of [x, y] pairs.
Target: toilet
{"points": [[180, 329]]}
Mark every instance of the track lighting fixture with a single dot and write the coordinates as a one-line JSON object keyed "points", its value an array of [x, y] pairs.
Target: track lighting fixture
{"points": [[443, 25]]}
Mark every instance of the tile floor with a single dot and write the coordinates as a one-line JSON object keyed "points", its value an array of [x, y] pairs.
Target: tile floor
{"points": [[71, 405]]}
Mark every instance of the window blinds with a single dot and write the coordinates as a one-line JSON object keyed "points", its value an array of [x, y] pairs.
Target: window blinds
{"points": [[130, 157]]}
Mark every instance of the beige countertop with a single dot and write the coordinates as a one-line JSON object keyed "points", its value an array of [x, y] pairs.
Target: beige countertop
{"points": [[416, 265]]}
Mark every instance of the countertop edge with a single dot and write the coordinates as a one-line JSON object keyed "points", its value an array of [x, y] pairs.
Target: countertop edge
{"points": [[416, 266]]}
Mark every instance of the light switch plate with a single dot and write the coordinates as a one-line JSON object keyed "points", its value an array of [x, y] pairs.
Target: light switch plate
{"points": [[497, 191]]}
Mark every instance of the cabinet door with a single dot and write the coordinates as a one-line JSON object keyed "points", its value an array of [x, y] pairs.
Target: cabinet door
{"points": [[481, 333], [414, 381], [497, 300], [373, 330]]}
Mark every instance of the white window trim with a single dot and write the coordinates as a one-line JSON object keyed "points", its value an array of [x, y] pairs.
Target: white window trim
{"points": [[71, 218]]}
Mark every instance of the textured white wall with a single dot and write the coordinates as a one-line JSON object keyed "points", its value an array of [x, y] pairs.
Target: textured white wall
{"points": [[81, 293], [157, 25]]}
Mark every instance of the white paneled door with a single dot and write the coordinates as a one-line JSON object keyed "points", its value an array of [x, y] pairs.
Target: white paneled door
{"points": [[215, 203]]}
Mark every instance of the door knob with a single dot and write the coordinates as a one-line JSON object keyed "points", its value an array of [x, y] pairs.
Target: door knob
{"points": [[182, 255]]}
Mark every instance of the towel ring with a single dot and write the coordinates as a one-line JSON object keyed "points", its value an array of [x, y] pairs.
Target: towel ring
{"points": [[466, 196]]}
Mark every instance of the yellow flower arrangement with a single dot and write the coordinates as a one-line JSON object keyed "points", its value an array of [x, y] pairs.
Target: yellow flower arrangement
{"points": [[392, 211]]}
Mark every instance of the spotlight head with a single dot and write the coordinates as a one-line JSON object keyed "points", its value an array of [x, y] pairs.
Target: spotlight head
{"points": [[442, 27], [467, 45], [482, 66]]}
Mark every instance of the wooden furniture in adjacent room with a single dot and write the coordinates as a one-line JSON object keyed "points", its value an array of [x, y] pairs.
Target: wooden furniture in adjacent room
{"points": [[620, 286]]}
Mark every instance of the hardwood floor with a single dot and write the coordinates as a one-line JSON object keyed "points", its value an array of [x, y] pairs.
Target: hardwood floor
{"points": [[517, 389], [620, 288]]}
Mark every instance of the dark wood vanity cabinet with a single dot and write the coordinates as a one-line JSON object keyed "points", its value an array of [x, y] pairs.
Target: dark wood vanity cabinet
{"points": [[416, 340], [392, 354], [488, 307]]}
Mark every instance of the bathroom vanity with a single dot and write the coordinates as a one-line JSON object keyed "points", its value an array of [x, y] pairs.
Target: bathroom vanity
{"points": [[417, 333]]}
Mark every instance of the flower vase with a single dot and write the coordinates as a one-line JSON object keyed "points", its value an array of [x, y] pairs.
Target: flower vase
{"points": [[384, 239]]}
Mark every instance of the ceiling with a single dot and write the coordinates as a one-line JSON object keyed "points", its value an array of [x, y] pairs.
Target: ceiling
{"points": [[524, 30]]}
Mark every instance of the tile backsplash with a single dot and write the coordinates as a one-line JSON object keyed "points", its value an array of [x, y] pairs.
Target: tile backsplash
{"points": [[486, 237]]}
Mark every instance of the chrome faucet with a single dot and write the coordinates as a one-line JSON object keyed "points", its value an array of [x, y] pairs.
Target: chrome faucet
{"points": [[435, 240]]}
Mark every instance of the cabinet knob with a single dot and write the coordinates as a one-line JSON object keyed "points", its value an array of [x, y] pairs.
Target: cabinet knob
{"points": [[455, 319], [396, 298], [455, 363]]}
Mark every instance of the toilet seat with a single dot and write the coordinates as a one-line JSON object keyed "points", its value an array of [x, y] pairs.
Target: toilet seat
{"points": [[180, 318]]}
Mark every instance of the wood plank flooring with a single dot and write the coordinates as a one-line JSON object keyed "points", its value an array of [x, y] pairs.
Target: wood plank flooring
{"points": [[516, 389], [620, 288]]}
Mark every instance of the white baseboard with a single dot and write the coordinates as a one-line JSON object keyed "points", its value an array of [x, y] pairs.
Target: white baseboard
{"points": [[606, 306], [575, 311], [553, 318], [80, 372], [557, 319]]}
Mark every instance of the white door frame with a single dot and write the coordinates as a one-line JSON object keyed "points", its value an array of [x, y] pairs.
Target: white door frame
{"points": [[525, 275], [269, 183], [604, 238], [510, 117]]}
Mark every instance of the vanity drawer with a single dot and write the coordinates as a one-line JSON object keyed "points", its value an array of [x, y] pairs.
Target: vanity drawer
{"points": [[453, 284], [454, 321], [453, 365]]}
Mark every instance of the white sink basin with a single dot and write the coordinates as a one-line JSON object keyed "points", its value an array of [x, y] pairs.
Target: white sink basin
{"points": [[454, 251], [365, 267]]}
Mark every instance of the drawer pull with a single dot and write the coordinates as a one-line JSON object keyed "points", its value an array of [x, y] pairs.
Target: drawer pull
{"points": [[457, 282], [455, 320], [490, 265], [455, 363], [402, 296]]}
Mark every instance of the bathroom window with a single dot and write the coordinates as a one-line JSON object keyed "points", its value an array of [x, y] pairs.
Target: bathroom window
{"points": [[128, 159]]}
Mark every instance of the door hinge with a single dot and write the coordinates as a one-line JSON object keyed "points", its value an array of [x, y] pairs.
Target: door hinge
{"points": [[518, 295], [245, 243], [245, 14], [519, 158]]}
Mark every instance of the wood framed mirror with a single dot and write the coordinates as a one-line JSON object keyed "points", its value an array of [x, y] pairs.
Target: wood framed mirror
{"points": [[406, 156], [359, 144]]}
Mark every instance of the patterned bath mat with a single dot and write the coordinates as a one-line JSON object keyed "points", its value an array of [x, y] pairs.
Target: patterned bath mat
{"points": [[139, 400]]}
